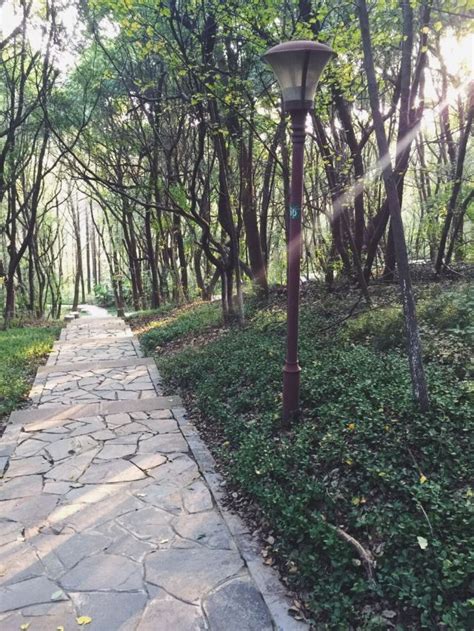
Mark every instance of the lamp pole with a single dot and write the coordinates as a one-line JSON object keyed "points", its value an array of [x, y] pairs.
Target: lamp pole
{"points": [[297, 66], [291, 370]]}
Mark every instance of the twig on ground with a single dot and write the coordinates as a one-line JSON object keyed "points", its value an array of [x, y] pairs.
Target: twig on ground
{"points": [[366, 557]]}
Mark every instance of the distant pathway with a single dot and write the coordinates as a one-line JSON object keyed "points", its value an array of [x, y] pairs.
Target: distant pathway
{"points": [[108, 511]]}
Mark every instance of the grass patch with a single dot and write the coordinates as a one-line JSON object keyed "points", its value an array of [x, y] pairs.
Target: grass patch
{"points": [[22, 349], [145, 320], [178, 322], [362, 459]]}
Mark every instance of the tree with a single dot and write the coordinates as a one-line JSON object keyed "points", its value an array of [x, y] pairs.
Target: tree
{"points": [[420, 389]]}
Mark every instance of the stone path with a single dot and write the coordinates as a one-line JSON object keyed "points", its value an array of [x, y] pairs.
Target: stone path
{"points": [[109, 505]]}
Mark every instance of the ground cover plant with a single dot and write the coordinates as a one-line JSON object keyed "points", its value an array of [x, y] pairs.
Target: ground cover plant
{"points": [[369, 501], [22, 349], [168, 323]]}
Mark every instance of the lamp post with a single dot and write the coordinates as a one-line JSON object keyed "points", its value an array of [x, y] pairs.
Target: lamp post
{"points": [[297, 66]]}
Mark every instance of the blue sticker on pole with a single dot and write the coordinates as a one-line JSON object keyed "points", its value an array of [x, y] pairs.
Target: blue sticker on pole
{"points": [[294, 211]]}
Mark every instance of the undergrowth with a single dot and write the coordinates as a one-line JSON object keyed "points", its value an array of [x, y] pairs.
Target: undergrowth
{"points": [[362, 461], [178, 322], [22, 349]]}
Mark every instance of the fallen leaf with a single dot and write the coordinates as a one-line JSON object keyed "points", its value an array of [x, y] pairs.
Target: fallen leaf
{"points": [[83, 620], [295, 613], [25, 626], [422, 542], [423, 479], [388, 613]]}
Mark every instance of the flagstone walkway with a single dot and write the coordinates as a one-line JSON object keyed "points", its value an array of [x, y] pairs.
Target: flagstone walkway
{"points": [[109, 505]]}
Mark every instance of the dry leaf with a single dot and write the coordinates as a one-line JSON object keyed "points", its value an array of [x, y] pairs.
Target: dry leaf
{"points": [[422, 542], [388, 613], [83, 620]]}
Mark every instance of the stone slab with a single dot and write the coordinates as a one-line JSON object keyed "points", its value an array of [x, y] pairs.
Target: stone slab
{"points": [[93, 349], [110, 611], [104, 572], [30, 592], [240, 604], [189, 574], [80, 410], [97, 365]]}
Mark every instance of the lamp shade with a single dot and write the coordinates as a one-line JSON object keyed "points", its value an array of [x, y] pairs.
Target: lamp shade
{"points": [[298, 66]]}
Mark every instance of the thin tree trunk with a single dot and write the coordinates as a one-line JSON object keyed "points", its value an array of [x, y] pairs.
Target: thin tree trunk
{"points": [[420, 389], [155, 284], [31, 279], [457, 181], [88, 255], [78, 276], [183, 268], [457, 229], [249, 213], [94, 256]]}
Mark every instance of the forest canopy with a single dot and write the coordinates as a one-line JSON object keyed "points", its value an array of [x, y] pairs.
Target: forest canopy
{"points": [[144, 154]]}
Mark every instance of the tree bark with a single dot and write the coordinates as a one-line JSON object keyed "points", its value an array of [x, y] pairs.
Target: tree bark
{"points": [[249, 214], [88, 255], [457, 181], [420, 389]]}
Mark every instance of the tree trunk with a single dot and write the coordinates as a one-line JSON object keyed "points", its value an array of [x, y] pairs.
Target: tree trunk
{"points": [[88, 255], [183, 268], [457, 181], [420, 390], [249, 213], [31, 279], [456, 239], [155, 283]]}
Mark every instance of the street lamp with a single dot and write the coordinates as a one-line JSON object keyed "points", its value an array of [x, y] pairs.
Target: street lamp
{"points": [[297, 66]]}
